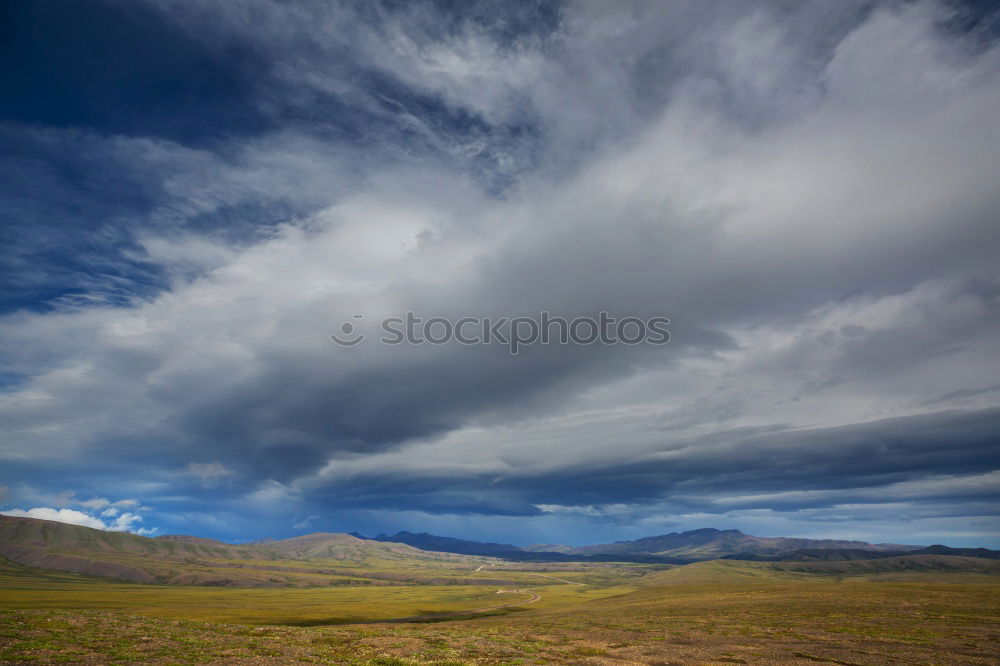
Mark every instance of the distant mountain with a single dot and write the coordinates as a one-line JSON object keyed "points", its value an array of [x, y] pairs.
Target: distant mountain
{"points": [[938, 549], [507, 551], [676, 547]]}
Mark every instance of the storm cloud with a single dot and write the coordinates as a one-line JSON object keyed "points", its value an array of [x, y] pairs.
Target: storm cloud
{"points": [[808, 191]]}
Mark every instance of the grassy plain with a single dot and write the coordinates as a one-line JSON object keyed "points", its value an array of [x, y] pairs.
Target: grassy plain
{"points": [[25, 588], [707, 613]]}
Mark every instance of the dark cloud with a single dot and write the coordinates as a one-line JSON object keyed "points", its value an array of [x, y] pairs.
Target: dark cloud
{"points": [[855, 462], [808, 192]]}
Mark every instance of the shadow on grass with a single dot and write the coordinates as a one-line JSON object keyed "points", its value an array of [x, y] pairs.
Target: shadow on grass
{"points": [[423, 618]]}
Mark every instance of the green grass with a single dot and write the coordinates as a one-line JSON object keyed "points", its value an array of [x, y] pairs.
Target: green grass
{"points": [[245, 605], [26, 588], [707, 613]]}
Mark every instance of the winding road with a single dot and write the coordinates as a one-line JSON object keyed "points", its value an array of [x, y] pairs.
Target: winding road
{"points": [[534, 597]]}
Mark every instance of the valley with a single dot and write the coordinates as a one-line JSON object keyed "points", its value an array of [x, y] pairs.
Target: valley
{"points": [[332, 598]]}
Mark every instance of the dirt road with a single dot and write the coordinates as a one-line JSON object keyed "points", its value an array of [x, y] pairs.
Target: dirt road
{"points": [[534, 597]]}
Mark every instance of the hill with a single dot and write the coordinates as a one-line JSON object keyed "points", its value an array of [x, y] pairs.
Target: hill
{"points": [[748, 572], [897, 564], [339, 546], [35, 533], [314, 559]]}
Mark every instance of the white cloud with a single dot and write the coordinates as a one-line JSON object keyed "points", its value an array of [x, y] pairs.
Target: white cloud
{"points": [[71, 516], [306, 522], [208, 473], [102, 503], [126, 522], [117, 521], [272, 498]]}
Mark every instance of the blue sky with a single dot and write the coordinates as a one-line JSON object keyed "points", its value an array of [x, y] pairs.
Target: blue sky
{"points": [[195, 195]]}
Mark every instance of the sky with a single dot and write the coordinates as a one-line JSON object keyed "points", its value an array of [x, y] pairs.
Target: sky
{"points": [[195, 195]]}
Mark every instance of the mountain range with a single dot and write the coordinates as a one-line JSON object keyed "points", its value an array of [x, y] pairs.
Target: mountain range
{"points": [[335, 559], [675, 547]]}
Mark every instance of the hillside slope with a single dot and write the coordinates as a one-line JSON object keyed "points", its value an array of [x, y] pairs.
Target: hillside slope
{"points": [[315, 559], [50, 534], [339, 546], [852, 554], [902, 563]]}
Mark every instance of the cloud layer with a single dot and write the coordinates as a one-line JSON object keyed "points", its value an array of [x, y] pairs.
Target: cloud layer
{"points": [[809, 192]]}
